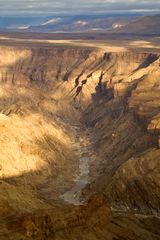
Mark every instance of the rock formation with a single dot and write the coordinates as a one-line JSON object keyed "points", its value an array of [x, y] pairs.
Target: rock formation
{"points": [[59, 105]]}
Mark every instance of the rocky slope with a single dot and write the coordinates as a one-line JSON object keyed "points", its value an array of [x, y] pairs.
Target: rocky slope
{"points": [[142, 25], [60, 106]]}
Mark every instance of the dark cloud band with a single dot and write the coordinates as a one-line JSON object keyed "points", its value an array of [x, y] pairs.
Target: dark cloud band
{"points": [[81, 5]]}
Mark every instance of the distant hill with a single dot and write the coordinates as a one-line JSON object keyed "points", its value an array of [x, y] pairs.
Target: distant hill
{"points": [[81, 23], [115, 23], [143, 25], [16, 22]]}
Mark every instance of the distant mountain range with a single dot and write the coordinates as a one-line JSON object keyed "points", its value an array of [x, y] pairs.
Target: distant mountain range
{"points": [[64, 23], [82, 24], [115, 23], [143, 25]]}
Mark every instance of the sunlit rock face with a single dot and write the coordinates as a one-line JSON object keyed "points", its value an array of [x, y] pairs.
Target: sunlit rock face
{"points": [[61, 106]]}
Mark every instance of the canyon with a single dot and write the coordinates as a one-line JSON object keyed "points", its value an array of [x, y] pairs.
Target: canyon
{"points": [[79, 143]]}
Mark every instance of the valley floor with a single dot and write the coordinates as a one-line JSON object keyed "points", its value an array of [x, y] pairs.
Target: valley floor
{"points": [[105, 41]]}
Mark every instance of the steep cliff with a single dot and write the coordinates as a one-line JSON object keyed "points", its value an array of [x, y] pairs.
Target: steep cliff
{"points": [[60, 106]]}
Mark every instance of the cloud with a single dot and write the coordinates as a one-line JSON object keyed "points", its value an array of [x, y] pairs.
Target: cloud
{"points": [[79, 5], [52, 21]]}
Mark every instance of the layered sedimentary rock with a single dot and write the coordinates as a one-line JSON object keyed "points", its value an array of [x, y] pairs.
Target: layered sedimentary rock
{"points": [[49, 98]]}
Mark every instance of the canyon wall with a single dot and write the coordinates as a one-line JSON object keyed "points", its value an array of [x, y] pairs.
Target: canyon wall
{"points": [[48, 96]]}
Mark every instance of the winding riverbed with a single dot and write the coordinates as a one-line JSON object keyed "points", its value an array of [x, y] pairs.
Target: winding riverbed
{"points": [[73, 195]]}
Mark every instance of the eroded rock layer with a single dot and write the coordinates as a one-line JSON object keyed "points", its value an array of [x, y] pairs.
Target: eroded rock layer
{"points": [[59, 106]]}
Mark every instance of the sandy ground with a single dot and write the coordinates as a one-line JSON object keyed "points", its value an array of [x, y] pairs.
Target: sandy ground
{"points": [[147, 44]]}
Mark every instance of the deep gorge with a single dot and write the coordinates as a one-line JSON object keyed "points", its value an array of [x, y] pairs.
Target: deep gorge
{"points": [[59, 106]]}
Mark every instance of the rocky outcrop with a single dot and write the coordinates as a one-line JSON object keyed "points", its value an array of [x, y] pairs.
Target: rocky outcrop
{"points": [[92, 221], [58, 222], [135, 184]]}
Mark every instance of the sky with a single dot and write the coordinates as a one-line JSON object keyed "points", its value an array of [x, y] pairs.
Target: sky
{"points": [[70, 6]]}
